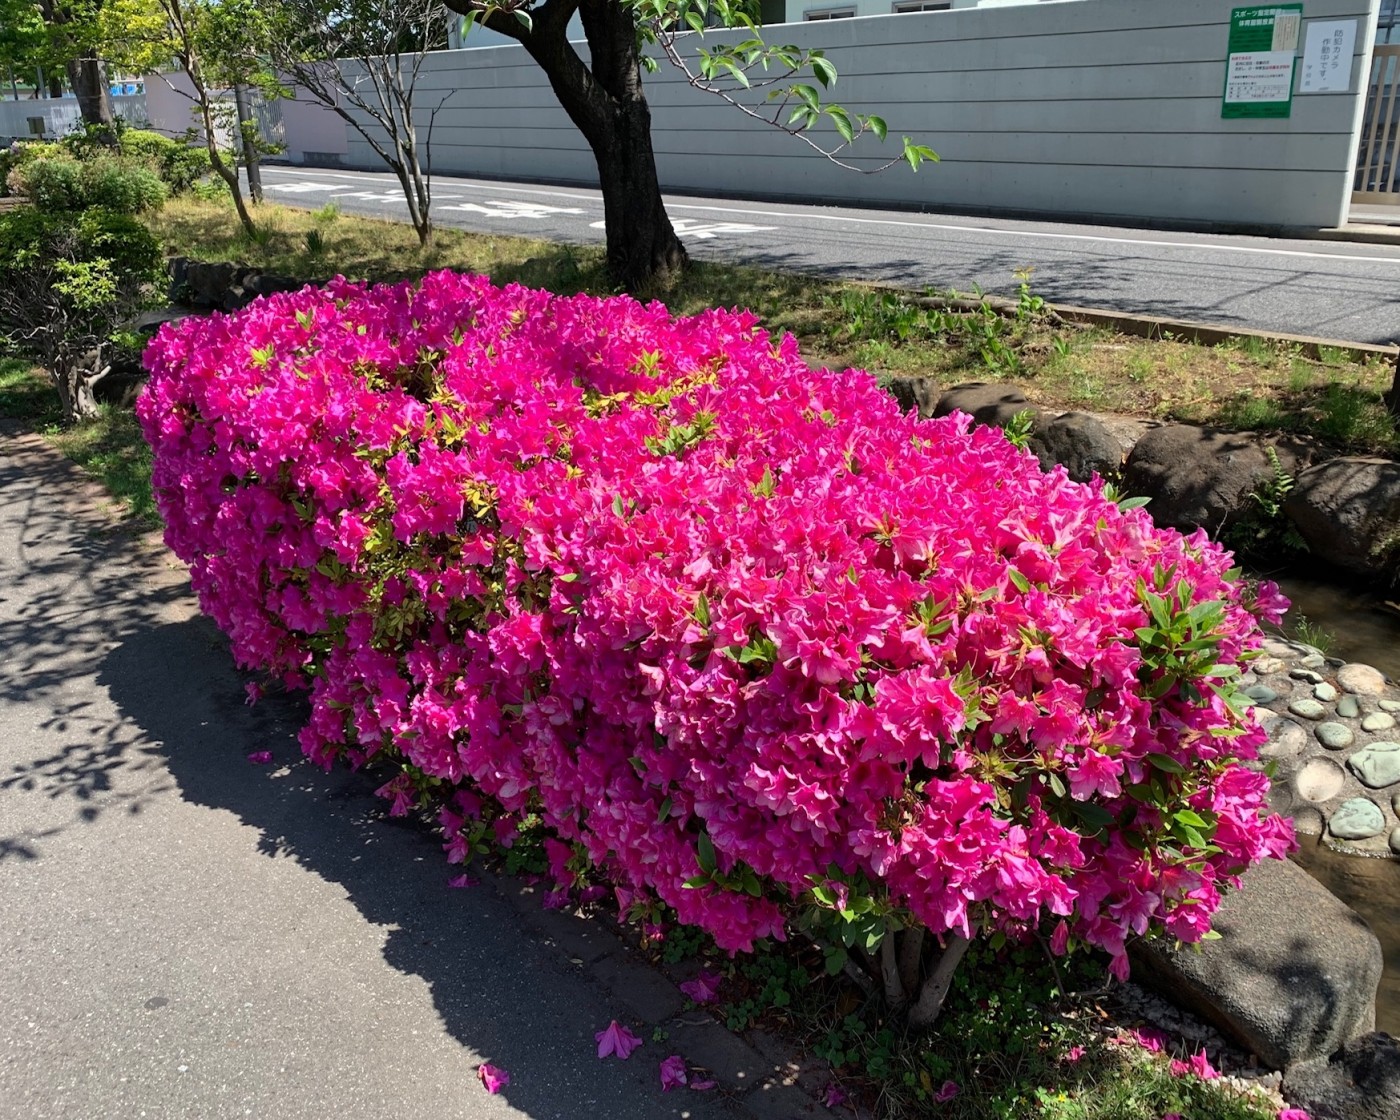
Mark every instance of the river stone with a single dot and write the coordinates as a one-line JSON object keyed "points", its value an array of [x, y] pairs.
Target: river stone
{"points": [[1391, 706], [1308, 708], [1079, 443], [1335, 736], [1324, 692], [1361, 679], [1319, 780], [1268, 665], [1378, 721], [1293, 976], [1313, 661], [1357, 819], [1348, 510], [1286, 738], [1261, 694], [990, 405], [1306, 675], [1308, 820], [1395, 841], [1377, 765], [1203, 477], [1348, 708], [1360, 1082]]}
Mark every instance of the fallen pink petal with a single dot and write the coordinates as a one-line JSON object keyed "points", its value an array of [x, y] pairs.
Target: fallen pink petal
{"points": [[1150, 1038], [704, 988], [1074, 1053], [618, 1040], [947, 1092], [493, 1077], [703, 1085], [1293, 1114], [1201, 1067], [673, 1075], [459, 881], [834, 1096], [260, 758]]}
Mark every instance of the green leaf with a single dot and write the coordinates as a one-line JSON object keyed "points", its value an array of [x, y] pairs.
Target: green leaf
{"points": [[1165, 763], [525, 20], [842, 120], [807, 95], [664, 812], [617, 506], [695, 882], [823, 69], [1023, 585], [702, 610], [705, 854], [1188, 817], [877, 125]]}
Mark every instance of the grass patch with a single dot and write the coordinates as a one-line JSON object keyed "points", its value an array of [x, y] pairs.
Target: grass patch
{"points": [[108, 447]]}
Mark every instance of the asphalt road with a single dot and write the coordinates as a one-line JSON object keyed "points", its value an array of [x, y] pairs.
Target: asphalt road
{"points": [[1336, 290]]}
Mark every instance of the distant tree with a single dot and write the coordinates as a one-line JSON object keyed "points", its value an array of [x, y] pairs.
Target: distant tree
{"points": [[361, 60]]}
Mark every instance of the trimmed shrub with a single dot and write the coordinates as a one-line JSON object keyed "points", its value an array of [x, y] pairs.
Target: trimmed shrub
{"points": [[751, 643], [56, 181], [68, 283], [179, 164]]}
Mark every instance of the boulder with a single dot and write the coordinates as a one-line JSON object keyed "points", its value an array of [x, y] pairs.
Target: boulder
{"points": [[914, 394], [222, 286], [1360, 1082], [1079, 443], [1293, 976], [1203, 478], [992, 405], [1348, 510]]}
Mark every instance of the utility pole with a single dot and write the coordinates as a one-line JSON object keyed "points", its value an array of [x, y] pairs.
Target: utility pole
{"points": [[247, 133]]}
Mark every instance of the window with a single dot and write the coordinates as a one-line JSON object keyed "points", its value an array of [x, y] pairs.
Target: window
{"points": [[901, 7], [829, 13]]}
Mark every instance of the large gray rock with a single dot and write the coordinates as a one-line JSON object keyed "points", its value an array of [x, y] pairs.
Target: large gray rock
{"points": [[222, 286], [1348, 510], [1360, 1082], [1293, 976], [1199, 477], [1079, 443], [992, 405], [914, 394]]}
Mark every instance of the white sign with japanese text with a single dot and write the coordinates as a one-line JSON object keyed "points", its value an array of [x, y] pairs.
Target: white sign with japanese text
{"points": [[1259, 76], [1327, 52]]}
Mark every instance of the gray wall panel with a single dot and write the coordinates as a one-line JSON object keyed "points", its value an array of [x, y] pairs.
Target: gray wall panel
{"points": [[1079, 107]]}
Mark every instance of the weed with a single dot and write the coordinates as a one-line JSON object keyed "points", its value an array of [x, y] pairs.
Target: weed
{"points": [[327, 213], [1028, 305], [1311, 634], [315, 242], [1020, 428]]}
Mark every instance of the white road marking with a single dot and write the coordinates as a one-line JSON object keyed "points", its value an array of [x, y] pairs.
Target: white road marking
{"points": [[512, 208], [301, 188], [948, 227], [703, 231]]}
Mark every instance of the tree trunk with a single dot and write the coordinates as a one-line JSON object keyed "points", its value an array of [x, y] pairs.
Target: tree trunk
{"points": [[89, 81], [925, 1011], [643, 249], [248, 137], [606, 103], [1392, 396]]}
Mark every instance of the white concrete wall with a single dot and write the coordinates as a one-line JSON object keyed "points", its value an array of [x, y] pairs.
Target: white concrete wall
{"points": [[60, 115], [1088, 108]]}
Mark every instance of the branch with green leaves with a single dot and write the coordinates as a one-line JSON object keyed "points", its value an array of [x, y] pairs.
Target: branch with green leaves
{"points": [[730, 71]]}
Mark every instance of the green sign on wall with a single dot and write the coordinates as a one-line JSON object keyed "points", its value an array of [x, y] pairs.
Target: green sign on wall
{"points": [[1262, 56]]}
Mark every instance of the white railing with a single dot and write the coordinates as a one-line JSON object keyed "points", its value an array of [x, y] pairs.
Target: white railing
{"points": [[57, 116]]}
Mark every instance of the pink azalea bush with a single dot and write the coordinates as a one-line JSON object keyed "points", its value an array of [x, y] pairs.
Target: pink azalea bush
{"points": [[740, 634]]}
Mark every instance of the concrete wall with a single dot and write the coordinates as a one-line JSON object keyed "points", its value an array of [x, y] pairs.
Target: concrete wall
{"points": [[60, 115], [1090, 108]]}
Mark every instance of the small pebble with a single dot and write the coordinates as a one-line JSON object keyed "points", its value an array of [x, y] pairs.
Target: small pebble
{"points": [[1361, 678], [1267, 666], [1378, 721], [1306, 675], [1348, 708], [1261, 693], [1357, 819], [1313, 661], [1324, 692], [1308, 708], [1335, 736], [1390, 705], [1395, 841]]}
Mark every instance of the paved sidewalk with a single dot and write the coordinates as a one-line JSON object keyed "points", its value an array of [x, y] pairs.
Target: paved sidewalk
{"points": [[186, 935]]}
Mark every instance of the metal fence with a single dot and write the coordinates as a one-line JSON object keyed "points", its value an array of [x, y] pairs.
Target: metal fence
{"points": [[52, 117], [1378, 155]]}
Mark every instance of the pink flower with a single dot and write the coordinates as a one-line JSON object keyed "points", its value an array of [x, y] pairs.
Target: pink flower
{"points": [[1074, 1053], [253, 692], [704, 988], [673, 1073], [947, 1091], [493, 1077], [834, 1096], [1293, 1114], [1150, 1039], [463, 880], [260, 758], [616, 1039]]}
